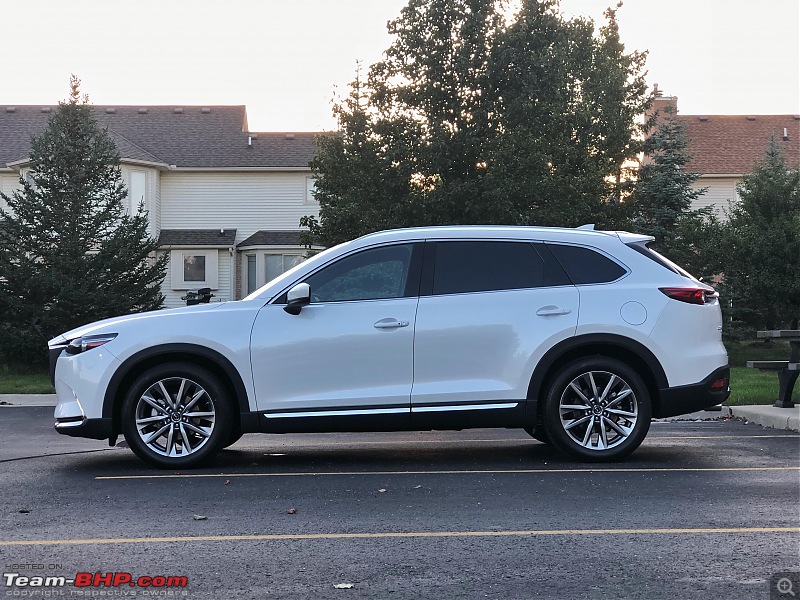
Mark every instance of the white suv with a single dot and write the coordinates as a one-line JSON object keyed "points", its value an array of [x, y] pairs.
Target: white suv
{"points": [[577, 336]]}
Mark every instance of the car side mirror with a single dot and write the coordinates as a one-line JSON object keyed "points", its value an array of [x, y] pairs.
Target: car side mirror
{"points": [[297, 298]]}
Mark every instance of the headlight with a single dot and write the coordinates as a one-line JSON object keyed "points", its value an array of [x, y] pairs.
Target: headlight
{"points": [[87, 342]]}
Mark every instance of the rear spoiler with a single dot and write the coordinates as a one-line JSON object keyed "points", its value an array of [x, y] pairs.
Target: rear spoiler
{"points": [[624, 236]]}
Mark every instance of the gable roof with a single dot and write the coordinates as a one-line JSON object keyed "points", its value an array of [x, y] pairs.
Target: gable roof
{"points": [[203, 137], [732, 144]]}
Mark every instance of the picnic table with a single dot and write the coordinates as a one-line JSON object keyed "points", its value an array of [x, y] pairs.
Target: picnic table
{"points": [[788, 370]]}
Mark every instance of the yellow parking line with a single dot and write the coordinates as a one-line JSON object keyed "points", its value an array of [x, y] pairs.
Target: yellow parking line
{"points": [[441, 472], [414, 534]]}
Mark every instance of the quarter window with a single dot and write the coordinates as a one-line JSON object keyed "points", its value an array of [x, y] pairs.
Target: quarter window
{"points": [[586, 266], [373, 274], [486, 266]]}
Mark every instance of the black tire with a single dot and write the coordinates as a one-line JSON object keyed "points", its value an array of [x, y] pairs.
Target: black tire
{"points": [[617, 410], [167, 434]]}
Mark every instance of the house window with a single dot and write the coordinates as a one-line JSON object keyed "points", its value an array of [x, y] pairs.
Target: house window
{"points": [[252, 283], [29, 178], [277, 264], [138, 190], [310, 188], [194, 269]]}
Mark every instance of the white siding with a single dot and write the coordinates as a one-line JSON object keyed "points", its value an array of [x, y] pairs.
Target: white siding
{"points": [[721, 192], [246, 202], [222, 294]]}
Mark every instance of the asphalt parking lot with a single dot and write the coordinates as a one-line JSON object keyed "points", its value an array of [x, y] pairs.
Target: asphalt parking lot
{"points": [[702, 509]]}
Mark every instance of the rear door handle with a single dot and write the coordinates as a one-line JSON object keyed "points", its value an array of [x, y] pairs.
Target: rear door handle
{"points": [[552, 311], [390, 324]]}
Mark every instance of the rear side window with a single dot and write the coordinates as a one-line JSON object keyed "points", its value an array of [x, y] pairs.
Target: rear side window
{"points": [[584, 265], [463, 267]]}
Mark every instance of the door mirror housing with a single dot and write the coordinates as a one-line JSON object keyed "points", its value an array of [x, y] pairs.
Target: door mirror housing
{"points": [[297, 297]]}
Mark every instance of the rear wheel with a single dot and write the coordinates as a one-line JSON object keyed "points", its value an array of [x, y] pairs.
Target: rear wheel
{"points": [[597, 409], [176, 415]]}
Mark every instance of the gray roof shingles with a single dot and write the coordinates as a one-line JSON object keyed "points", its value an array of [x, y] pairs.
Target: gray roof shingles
{"points": [[197, 237], [267, 237], [197, 137]]}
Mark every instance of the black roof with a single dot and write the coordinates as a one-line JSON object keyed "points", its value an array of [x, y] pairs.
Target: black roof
{"points": [[197, 237], [184, 136], [267, 237]]}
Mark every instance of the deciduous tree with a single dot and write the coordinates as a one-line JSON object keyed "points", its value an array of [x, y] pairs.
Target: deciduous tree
{"points": [[476, 117]]}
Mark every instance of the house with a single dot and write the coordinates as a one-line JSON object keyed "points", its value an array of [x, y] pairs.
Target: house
{"points": [[224, 201], [725, 147]]}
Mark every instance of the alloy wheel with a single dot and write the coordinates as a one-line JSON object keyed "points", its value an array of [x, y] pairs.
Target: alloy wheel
{"points": [[598, 410], [175, 417]]}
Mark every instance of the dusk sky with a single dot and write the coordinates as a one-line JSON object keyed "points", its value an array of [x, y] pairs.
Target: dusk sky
{"points": [[284, 60]]}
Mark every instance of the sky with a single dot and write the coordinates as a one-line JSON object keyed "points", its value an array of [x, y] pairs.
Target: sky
{"points": [[285, 59]]}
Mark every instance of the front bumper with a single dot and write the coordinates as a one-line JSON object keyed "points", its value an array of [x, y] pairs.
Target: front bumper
{"points": [[95, 429], [697, 396]]}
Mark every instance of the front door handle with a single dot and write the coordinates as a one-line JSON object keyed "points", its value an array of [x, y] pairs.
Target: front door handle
{"points": [[390, 324], [551, 311]]}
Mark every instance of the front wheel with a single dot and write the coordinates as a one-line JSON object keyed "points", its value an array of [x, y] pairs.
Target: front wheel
{"points": [[597, 409], [176, 415]]}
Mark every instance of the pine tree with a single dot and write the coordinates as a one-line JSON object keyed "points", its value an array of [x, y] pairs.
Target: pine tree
{"points": [[69, 253], [664, 194], [761, 244]]}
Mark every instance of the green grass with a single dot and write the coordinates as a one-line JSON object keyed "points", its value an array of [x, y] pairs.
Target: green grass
{"points": [[751, 386], [24, 380]]}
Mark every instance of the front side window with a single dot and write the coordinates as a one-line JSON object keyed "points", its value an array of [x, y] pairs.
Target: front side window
{"points": [[377, 273], [482, 266]]}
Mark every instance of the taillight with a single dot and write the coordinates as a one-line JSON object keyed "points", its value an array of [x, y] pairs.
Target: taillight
{"points": [[691, 295], [720, 385]]}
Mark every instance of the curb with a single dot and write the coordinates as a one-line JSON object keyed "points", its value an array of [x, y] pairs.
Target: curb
{"points": [[769, 416], [27, 400]]}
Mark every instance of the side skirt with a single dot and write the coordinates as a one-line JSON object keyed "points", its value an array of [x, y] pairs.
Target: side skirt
{"points": [[494, 414]]}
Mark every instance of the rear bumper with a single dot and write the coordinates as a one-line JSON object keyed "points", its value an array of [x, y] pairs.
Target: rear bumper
{"points": [[95, 429], [697, 396]]}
